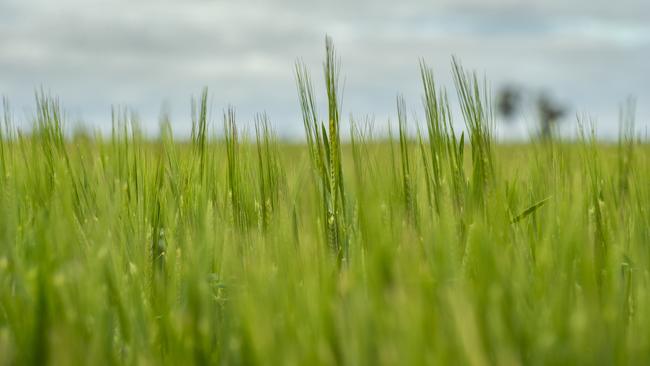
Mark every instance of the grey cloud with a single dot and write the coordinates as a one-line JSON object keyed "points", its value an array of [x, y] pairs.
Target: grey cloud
{"points": [[142, 53]]}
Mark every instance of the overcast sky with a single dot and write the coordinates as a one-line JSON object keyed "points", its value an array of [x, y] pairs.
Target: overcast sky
{"points": [[588, 54]]}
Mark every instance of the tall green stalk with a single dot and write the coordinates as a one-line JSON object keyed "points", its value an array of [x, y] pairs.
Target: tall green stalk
{"points": [[325, 150]]}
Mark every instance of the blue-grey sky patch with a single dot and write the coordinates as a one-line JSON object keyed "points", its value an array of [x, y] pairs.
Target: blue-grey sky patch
{"points": [[93, 54]]}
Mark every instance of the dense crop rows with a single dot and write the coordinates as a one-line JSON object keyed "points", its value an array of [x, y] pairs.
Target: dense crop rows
{"points": [[443, 248]]}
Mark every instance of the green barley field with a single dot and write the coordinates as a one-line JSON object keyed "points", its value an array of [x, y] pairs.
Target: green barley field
{"points": [[235, 248]]}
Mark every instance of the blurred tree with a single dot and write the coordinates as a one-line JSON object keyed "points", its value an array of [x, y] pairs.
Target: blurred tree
{"points": [[509, 101], [549, 113]]}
